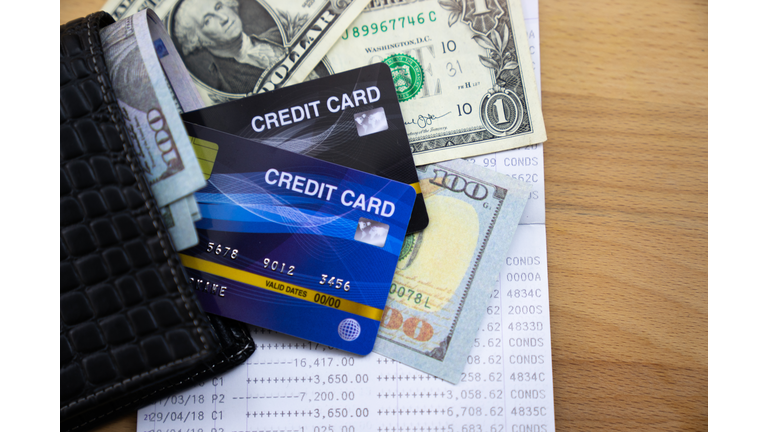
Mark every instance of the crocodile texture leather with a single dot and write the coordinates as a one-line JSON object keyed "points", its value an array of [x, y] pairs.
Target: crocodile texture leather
{"points": [[131, 328]]}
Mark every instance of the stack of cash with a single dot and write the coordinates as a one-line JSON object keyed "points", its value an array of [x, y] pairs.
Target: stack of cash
{"points": [[466, 86], [152, 88]]}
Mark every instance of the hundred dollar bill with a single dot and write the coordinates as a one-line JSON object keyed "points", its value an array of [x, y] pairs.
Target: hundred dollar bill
{"points": [[462, 69], [179, 222], [118, 8], [194, 209], [152, 86], [447, 272], [233, 48]]}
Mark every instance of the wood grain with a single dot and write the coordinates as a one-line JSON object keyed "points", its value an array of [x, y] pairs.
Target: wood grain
{"points": [[625, 105]]}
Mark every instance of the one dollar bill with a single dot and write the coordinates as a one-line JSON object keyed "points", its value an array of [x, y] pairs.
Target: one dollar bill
{"points": [[152, 87], [462, 69], [447, 272], [234, 48]]}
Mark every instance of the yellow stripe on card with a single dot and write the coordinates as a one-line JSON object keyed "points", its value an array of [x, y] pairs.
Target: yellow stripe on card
{"points": [[280, 287], [416, 186]]}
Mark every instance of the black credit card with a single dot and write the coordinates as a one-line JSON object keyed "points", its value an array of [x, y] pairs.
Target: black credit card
{"points": [[352, 119]]}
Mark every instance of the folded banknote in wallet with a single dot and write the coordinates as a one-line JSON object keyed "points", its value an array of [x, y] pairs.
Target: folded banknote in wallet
{"points": [[131, 328]]}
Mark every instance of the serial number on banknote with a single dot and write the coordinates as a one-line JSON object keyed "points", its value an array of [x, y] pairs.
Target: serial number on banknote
{"points": [[410, 295], [221, 250], [391, 24], [274, 265]]}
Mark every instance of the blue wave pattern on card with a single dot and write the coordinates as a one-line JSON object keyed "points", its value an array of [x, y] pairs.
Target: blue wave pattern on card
{"points": [[350, 118], [296, 244]]}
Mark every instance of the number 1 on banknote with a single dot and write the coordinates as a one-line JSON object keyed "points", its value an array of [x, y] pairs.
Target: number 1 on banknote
{"points": [[461, 68]]}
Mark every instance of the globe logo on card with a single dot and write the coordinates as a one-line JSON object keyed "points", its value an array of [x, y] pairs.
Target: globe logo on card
{"points": [[371, 232], [349, 329], [371, 121]]}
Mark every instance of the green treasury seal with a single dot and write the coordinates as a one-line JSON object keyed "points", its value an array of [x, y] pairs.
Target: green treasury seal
{"points": [[407, 75]]}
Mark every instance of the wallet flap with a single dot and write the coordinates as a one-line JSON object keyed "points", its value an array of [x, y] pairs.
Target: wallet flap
{"points": [[131, 328]]}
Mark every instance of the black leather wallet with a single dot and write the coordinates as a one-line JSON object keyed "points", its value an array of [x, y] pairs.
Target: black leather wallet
{"points": [[131, 328]]}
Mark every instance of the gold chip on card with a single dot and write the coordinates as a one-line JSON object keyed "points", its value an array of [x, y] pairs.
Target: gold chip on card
{"points": [[206, 154]]}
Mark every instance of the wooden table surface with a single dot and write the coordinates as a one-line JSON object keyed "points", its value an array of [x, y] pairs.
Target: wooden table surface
{"points": [[624, 87]]}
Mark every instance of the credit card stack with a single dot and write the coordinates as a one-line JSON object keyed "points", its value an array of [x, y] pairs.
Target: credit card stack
{"points": [[351, 118], [310, 192]]}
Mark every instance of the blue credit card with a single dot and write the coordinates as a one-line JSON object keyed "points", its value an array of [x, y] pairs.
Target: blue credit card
{"points": [[295, 244], [350, 118]]}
